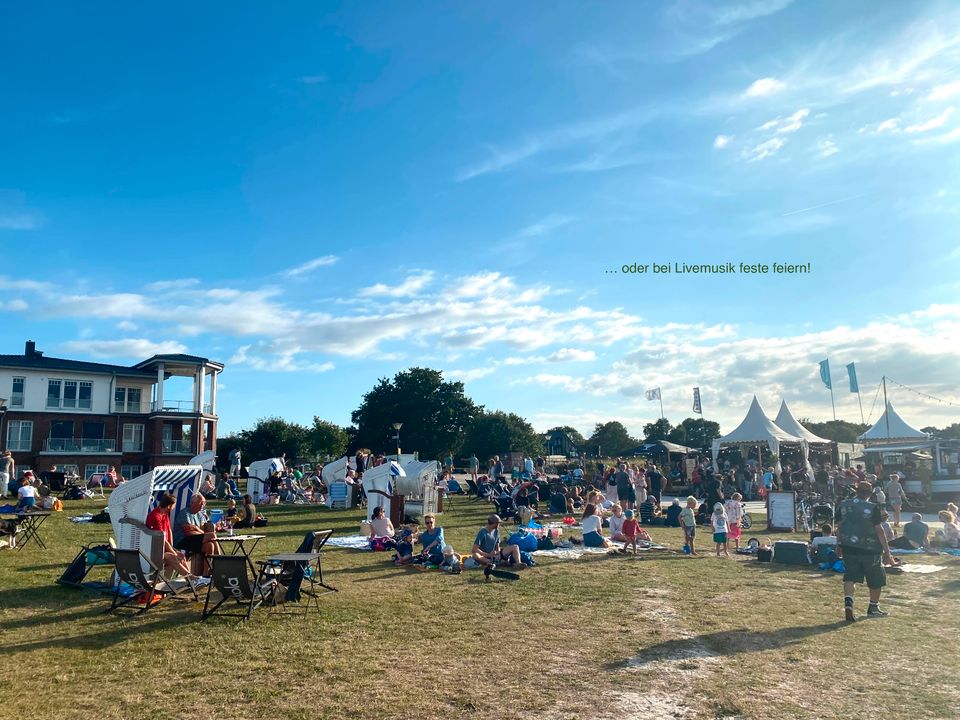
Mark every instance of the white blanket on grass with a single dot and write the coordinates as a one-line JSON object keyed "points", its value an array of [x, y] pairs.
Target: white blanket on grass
{"points": [[578, 551], [922, 569], [351, 542]]}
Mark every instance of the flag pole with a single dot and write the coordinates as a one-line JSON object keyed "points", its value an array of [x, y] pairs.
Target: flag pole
{"points": [[886, 407], [832, 404], [862, 421], [660, 396]]}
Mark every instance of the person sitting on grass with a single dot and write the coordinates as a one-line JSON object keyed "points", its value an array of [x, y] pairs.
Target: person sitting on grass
{"points": [[592, 528], [381, 531], [574, 500], [248, 515], [451, 561], [615, 523], [672, 518], [949, 536], [630, 530], [432, 540], [27, 495], [486, 546], [688, 521], [915, 535], [194, 534], [649, 511], [824, 544], [159, 519], [404, 553]]}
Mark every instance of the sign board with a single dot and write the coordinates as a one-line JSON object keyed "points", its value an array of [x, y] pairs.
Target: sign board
{"points": [[689, 465], [781, 511]]}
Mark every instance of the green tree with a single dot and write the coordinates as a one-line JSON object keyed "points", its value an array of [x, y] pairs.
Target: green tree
{"points": [[326, 439], [435, 414], [659, 430], [610, 438], [577, 438], [225, 444], [695, 433], [836, 430], [273, 436], [496, 433]]}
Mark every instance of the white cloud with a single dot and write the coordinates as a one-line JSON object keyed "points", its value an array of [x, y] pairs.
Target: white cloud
{"points": [[890, 125], [126, 326], [17, 305], [931, 124], [468, 375], [826, 148], [271, 357], [128, 348], [180, 284], [721, 141], [319, 262], [763, 86], [794, 122], [411, 286], [766, 149], [545, 226], [572, 355], [946, 91]]}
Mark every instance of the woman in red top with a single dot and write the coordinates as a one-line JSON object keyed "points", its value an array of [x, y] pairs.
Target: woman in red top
{"points": [[159, 519]]}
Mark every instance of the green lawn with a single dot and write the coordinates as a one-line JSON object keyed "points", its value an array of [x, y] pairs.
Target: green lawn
{"points": [[600, 637]]}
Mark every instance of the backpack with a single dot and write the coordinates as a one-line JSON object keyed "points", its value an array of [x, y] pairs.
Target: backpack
{"points": [[545, 543]]}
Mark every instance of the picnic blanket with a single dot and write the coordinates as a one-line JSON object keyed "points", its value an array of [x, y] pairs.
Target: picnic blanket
{"points": [[898, 551], [351, 542], [571, 553], [82, 518], [922, 569]]}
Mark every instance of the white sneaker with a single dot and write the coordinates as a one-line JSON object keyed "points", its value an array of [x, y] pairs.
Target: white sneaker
{"points": [[201, 581]]}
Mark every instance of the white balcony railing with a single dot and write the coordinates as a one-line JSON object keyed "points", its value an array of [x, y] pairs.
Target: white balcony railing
{"points": [[131, 407], [180, 406], [176, 447], [80, 445]]}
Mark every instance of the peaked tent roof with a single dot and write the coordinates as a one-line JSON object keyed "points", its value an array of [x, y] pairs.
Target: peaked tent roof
{"points": [[898, 428], [757, 427], [786, 421]]}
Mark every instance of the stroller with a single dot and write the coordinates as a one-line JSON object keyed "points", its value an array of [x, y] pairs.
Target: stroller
{"points": [[506, 507]]}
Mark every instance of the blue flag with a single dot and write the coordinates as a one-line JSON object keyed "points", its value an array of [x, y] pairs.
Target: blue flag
{"points": [[825, 373], [852, 372]]}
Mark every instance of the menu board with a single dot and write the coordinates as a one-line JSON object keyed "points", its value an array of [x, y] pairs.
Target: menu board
{"points": [[782, 511]]}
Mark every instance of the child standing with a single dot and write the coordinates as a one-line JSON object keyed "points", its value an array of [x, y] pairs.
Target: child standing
{"points": [[734, 512], [630, 530], [688, 521], [719, 519]]}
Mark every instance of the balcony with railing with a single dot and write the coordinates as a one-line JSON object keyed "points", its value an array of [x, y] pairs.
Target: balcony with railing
{"points": [[176, 447], [188, 407], [131, 408], [80, 445]]}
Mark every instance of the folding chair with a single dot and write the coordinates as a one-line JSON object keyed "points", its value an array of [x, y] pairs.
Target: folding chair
{"points": [[149, 584], [231, 579]]}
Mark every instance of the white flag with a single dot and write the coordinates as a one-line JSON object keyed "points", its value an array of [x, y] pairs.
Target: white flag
{"points": [[653, 394], [696, 401]]}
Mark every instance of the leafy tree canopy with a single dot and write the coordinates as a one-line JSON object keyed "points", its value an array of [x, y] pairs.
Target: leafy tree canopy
{"points": [[577, 438], [326, 439], [435, 414], [496, 433], [659, 430], [836, 430], [610, 438], [695, 433]]}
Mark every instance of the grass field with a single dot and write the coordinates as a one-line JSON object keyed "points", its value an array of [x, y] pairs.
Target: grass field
{"points": [[600, 637]]}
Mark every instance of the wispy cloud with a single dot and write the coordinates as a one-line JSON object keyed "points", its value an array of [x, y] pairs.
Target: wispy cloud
{"points": [[572, 355], [826, 148], [20, 221], [721, 141], [127, 348], [818, 206], [761, 151], [931, 124], [545, 226], [946, 91], [411, 286], [314, 264], [180, 284]]}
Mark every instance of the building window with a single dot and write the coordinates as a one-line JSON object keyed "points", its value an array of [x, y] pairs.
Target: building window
{"points": [[131, 471], [85, 401], [19, 434], [70, 470], [16, 395], [127, 400], [132, 438], [90, 470], [53, 393]]}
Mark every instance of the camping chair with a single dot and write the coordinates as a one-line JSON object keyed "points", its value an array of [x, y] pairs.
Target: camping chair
{"points": [[292, 573], [474, 489], [506, 507], [229, 576], [96, 480], [150, 583], [89, 557]]}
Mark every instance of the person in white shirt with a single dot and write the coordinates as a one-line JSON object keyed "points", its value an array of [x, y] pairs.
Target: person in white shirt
{"points": [[734, 511], [593, 528], [27, 494], [616, 524], [719, 520]]}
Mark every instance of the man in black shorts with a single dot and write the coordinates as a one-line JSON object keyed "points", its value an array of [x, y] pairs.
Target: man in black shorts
{"points": [[862, 544]]}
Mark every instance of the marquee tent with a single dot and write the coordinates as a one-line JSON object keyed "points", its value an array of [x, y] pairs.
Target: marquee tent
{"points": [[891, 426], [757, 429], [787, 421]]}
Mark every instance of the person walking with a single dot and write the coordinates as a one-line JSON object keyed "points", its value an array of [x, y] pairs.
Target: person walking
{"points": [[7, 469], [895, 497], [625, 491], [861, 545]]}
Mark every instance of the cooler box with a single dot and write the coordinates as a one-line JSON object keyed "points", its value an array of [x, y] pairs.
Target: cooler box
{"points": [[791, 552]]}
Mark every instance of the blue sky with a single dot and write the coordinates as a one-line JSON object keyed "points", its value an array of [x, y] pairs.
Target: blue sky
{"points": [[322, 195]]}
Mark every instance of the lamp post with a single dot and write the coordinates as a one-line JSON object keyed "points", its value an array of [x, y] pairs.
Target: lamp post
{"points": [[396, 427]]}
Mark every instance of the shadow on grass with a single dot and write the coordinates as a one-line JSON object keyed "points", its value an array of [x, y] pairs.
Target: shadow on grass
{"points": [[726, 643]]}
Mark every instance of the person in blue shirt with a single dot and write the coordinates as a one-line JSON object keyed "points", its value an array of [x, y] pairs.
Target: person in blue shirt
{"points": [[673, 514], [432, 540]]}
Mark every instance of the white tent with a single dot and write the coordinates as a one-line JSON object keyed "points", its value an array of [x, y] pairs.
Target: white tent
{"points": [[786, 421], [891, 426], [756, 429]]}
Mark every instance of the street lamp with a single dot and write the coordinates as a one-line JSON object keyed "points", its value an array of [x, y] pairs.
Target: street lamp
{"points": [[396, 427], [3, 411]]}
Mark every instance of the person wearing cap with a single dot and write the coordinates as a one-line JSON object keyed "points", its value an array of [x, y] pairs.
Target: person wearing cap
{"points": [[862, 545], [7, 469], [486, 546], [629, 531]]}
